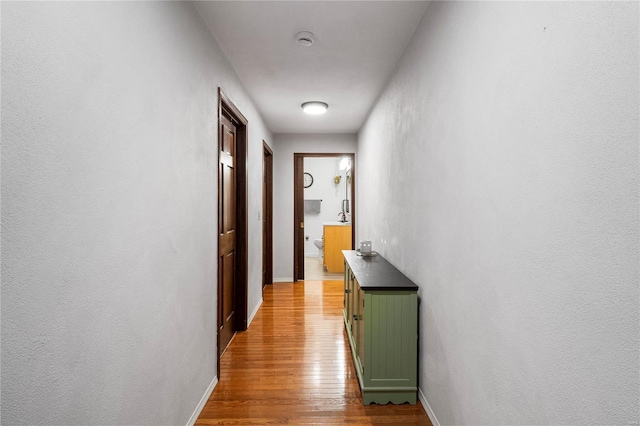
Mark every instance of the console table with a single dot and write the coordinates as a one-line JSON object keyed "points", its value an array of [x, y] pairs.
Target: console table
{"points": [[381, 319]]}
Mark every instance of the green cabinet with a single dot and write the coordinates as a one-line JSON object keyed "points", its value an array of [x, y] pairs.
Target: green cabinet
{"points": [[381, 320]]}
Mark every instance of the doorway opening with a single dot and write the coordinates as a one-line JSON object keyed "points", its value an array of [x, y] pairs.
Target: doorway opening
{"points": [[232, 223], [324, 213], [267, 215]]}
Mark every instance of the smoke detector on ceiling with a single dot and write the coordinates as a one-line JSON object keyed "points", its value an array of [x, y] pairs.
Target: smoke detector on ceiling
{"points": [[305, 38]]}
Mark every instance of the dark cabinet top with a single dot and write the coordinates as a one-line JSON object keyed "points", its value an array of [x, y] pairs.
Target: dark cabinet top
{"points": [[376, 273]]}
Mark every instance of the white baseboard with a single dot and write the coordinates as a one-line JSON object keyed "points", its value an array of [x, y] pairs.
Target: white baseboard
{"points": [[203, 401], [283, 280], [427, 408], [255, 311]]}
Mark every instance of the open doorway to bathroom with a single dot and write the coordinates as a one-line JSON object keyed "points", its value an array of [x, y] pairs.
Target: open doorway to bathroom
{"points": [[324, 214]]}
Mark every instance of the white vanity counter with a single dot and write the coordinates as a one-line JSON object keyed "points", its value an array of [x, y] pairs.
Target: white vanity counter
{"points": [[336, 224]]}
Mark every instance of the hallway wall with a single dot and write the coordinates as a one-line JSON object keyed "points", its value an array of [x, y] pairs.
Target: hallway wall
{"points": [[499, 171], [285, 145], [109, 210]]}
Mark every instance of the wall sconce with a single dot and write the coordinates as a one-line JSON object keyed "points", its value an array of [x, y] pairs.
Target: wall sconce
{"points": [[345, 163]]}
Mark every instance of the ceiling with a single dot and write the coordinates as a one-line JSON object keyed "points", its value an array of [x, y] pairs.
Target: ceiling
{"points": [[357, 44]]}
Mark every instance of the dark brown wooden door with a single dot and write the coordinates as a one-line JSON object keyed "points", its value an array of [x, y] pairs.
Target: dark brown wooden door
{"points": [[264, 224], [228, 234]]}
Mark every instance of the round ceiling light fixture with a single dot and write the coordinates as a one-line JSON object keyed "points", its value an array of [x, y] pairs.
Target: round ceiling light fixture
{"points": [[315, 107], [305, 38]]}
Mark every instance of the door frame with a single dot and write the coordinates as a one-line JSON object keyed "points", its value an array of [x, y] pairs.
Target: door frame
{"points": [[298, 206], [228, 108], [267, 212]]}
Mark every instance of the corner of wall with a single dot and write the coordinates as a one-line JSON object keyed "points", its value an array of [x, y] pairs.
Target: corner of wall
{"points": [[427, 408], [255, 312], [205, 397]]}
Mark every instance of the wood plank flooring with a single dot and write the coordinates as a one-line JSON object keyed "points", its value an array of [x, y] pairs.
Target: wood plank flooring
{"points": [[293, 366], [314, 270]]}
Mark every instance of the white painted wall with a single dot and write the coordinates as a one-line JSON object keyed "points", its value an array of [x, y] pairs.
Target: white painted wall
{"points": [[285, 145], [109, 211], [323, 170], [499, 171]]}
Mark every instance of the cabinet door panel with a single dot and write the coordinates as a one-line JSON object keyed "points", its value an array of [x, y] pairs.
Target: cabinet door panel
{"points": [[348, 297], [360, 339], [336, 239], [392, 343], [355, 288]]}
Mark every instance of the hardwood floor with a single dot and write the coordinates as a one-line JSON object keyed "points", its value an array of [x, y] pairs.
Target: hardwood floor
{"points": [[293, 366], [314, 270]]}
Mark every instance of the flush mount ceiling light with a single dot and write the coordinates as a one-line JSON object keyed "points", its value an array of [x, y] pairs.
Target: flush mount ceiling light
{"points": [[315, 107], [305, 38]]}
